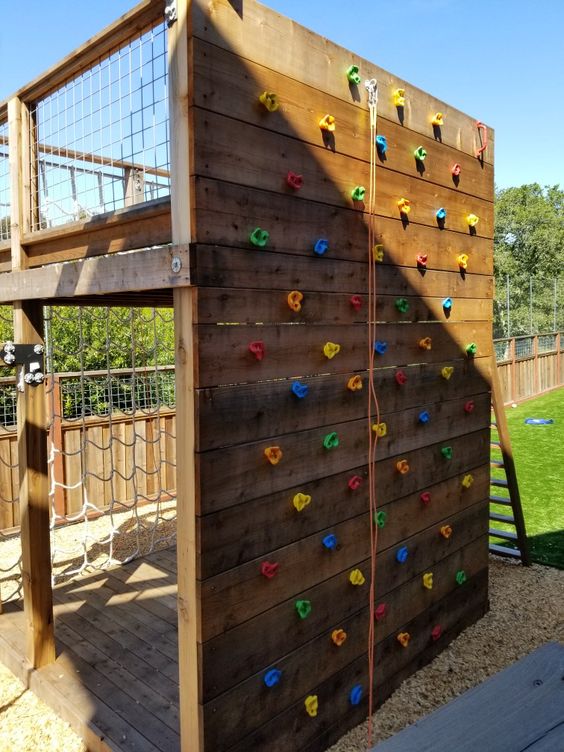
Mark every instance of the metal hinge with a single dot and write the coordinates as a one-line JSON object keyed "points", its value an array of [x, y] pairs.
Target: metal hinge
{"points": [[171, 12], [29, 357]]}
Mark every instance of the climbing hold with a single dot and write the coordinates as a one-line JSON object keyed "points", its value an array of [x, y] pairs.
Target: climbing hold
{"points": [[380, 429], [441, 214], [428, 580], [356, 302], [420, 153], [380, 518], [400, 377], [380, 347], [294, 181], [299, 389], [402, 304], [426, 343], [467, 480], [330, 542], [472, 220], [269, 569], [273, 454], [295, 300], [303, 608], [438, 119], [327, 123], [445, 531], [358, 193], [462, 260], [259, 237], [355, 695], [425, 497], [272, 677], [354, 384], [436, 632], [321, 246], [380, 611], [446, 452], [356, 577], [469, 406], [483, 139], [461, 577], [403, 638], [404, 206], [381, 144], [300, 501], [338, 636], [399, 97], [257, 349], [421, 259], [471, 349], [424, 417], [402, 554], [352, 74], [330, 349], [355, 482], [331, 441], [456, 169], [402, 466], [270, 101], [447, 304], [378, 252], [447, 372], [311, 705]]}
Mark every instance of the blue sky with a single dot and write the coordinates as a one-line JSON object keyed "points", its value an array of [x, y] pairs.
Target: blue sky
{"points": [[501, 61]]}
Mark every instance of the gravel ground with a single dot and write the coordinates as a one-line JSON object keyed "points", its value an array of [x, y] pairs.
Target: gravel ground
{"points": [[527, 610]]}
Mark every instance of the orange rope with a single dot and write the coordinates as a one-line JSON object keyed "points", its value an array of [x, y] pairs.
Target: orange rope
{"points": [[483, 147], [373, 407]]}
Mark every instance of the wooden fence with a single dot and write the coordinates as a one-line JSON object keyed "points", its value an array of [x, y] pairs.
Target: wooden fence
{"points": [[530, 365]]}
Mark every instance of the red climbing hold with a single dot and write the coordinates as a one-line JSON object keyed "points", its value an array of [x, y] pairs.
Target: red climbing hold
{"points": [[400, 377], [436, 632], [422, 260], [295, 181], [380, 611], [469, 406], [356, 302], [425, 497], [257, 349], [269, 569], [355, 482]]}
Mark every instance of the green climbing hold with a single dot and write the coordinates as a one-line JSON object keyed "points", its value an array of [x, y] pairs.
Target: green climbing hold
{"points": [[303, 608], [402, 304], [352, 74], [259, 237], [380, 518], [331, 441], [447, 452], [461, 577], [471, 349], [358, 193], [420, 153]]}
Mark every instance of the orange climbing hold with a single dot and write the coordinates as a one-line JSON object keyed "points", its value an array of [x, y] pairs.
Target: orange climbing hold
{"points": [[338, 636], [295, 300], [354, 384], [402, 466], [426, 343], [403, 638], [273, 454], [446, 531]]}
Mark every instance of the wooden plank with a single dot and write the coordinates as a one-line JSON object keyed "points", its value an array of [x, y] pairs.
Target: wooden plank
{"points": [[228, 86], [237, 595], [262, 160], [147, 269], [519, 705], [272, 409], [237, 654], [214, 266], [268, 38], [295, 351], [227, 213]]}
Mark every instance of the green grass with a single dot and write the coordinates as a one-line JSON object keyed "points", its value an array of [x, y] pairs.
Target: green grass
{"points": [[539, 457]]}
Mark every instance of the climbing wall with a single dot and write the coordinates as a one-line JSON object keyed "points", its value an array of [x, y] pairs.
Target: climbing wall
{"points": [[281, 149]]}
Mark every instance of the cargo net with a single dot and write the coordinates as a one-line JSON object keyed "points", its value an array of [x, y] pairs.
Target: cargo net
{"points": [[111, 401]]}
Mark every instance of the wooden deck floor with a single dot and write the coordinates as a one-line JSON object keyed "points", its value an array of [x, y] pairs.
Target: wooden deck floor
{"points": [[115, 679]]}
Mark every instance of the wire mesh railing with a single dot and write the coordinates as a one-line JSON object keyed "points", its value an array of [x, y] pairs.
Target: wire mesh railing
{"points": [[4, 183]]}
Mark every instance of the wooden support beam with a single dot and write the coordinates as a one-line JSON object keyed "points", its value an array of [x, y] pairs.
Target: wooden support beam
{"points": [[189, 609], [32, 420]]}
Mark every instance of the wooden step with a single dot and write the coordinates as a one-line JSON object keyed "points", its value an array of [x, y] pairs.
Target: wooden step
{"points": [[500, 500], [503, 534], [498, 517], [497, 463], [499, 482], [495, 548], [495, 444]]}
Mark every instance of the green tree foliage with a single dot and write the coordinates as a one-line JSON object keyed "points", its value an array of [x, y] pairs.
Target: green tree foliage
{"points": [[529, 243]]}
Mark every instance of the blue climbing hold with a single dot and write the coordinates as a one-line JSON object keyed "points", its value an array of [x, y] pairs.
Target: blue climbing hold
{"points": [[402, 554], [299, 389], [424, 416], [447, 304], [381, 144], [272, 677], [539, 421], [441, 214], [355, 695], [380, 347], [330, 542], [321, 246]]}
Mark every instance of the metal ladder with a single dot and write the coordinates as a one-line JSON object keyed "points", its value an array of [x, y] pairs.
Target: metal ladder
{"points": [[517, 538]]}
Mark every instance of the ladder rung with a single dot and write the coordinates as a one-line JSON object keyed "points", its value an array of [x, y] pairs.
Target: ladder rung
{"points": [[500, 500], [502, 517], [505, 551], [503, 534], [499, 482], [497, 463], [493, 425], [496, 444]]}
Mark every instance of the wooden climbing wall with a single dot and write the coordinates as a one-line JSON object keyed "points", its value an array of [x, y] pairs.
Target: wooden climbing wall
{"points": [[255, 629]]}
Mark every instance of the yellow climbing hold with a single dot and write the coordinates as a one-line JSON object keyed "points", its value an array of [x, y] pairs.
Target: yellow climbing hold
{"points": [[301, 500], [399, 97], [472, 220], [330, 349], [439, 119], [354, 383], [468, 480], [327, 123], [311, 705], [403, 638], [378, 252], [462, 260], [428, 580], [404, 205], [380, 429], [447, 372], [338, 636], [356, 577], [269, 100], [445, 531]]}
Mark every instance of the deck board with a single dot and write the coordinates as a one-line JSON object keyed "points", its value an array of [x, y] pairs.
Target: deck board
{"points": [[115, 680]]}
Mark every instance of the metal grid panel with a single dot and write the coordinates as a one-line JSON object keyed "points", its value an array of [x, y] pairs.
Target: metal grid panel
{"points": [[524, 347], [4, 184], [102, 139], [547, 343]]}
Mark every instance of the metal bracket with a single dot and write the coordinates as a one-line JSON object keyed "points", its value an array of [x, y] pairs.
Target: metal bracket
{"points": [[171, 12], [31, 360]]}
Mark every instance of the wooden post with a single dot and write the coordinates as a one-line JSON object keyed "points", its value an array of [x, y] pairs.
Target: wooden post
{"points": [[32, 418], [56, 437], [189, 632]]}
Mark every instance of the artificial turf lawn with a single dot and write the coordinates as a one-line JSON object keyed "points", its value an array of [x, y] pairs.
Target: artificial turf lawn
{"points": [[539, 457]]}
